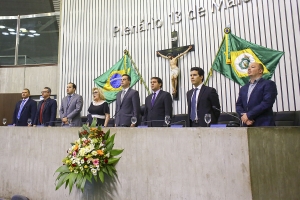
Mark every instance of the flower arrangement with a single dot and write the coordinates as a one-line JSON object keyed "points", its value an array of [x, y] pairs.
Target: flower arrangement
{"points": [[90, 157]]}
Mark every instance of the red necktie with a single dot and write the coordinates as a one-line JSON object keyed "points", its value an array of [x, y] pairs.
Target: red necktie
{"points": [[41, 112]]}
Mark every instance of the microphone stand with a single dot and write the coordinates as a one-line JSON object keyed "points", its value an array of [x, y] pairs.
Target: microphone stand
{"points": [[241, 124]]}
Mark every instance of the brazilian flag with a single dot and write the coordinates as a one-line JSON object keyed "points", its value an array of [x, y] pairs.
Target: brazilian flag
{"points": [[110, 81], [235, 55]]}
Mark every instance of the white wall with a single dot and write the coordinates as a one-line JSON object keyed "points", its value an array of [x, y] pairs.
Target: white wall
{"points": [[88, 48], [35, 78]]}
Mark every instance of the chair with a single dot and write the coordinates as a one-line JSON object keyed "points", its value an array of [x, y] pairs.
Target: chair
{"points": [[180, 119], [111, 122], [285, 118], [19, 197], [230, 121]]}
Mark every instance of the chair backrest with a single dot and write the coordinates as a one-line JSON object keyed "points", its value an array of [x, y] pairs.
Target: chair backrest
{"points": [[285, 118], [111, 122], [229, 120], [180, 119]]}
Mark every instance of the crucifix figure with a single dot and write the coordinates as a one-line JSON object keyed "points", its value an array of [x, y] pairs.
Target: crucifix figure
{"points": [[174, 68], [172, 55]]}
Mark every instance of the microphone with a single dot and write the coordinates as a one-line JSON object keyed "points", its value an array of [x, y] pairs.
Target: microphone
{"points": [[179, 122], [214, 107]]}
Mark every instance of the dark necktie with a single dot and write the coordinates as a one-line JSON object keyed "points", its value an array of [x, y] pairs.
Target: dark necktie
{"points": [[194, 105], [41, 112], [122, 95], [153, 99]]}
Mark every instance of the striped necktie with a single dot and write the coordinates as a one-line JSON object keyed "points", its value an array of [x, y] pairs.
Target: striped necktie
{"points": [[194, 105], [21, 108]]}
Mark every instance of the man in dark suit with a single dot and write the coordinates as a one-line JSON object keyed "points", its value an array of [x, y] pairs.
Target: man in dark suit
{"points": [[127, 104], [71, 106], [25, 109], [256, 98], [157, 105], [201, 100], [46, 112]]}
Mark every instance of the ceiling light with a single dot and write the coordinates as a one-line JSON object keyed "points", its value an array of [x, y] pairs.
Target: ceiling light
{"points": [[2, 26], [13, 33], [5, 33], [23, 29], [21, 34], [36, 34], [32, 31], [30, 35], [11, 30]]}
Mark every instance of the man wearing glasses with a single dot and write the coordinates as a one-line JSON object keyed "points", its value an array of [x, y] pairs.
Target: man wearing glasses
{"points": [[46, 110]]}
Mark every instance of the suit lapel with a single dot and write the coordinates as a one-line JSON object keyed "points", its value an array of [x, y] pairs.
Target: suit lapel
{"points": [[156, 98], [203, 87], [254, 89], [46, 105], [126, 94]]}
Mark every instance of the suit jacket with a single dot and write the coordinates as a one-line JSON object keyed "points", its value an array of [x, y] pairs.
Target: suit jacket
{"points": [[259, 106], [162, 106], [207, 98], [49, 113], [72, 110], [129, 107], [28, 111]]}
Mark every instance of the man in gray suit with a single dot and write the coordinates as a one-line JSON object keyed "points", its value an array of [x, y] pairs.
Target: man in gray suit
{"points": [[71, 107], [127, 104]]}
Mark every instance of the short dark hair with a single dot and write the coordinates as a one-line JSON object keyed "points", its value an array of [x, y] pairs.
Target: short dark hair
{"points": [[27, 90], [49, 90], [158, 80], [73, 84], [129, 78], [199, 70]]}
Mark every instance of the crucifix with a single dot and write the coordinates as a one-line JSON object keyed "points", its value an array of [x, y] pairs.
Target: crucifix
{"points": [[172, 55]]}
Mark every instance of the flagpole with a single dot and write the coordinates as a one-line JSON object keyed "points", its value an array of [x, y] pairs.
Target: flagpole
{"points": [[211, 70], [136, 69]]}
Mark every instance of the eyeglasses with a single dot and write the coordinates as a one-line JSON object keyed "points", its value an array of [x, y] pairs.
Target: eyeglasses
{"points": [[95, 92]]}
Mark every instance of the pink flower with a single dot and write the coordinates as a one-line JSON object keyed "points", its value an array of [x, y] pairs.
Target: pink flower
{"points": [[74, 153], [96, 162]]}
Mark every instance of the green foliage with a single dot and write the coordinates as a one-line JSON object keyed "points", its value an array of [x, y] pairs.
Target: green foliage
{"points": [[90, 157]]}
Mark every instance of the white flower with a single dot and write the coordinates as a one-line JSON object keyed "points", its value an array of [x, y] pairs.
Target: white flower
{"points": [[94, 171], [107, 155], [82, 161], [73, 161], [83, 139], [101, 144], [78, 141], [94, 153], [81, 168], [82, 152], [90, 148]]}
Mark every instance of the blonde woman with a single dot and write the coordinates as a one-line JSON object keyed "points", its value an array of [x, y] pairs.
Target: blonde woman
{"points": [[99, 108]]}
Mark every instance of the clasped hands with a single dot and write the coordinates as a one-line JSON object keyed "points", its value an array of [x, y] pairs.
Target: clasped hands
{"points": [[245, 119]]}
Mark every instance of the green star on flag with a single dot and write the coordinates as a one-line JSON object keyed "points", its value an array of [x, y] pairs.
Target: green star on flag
{"points": [[235, 55]]}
